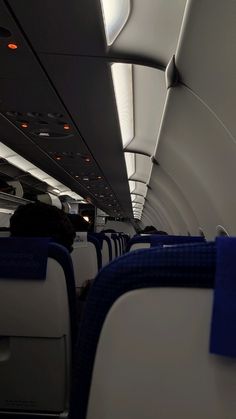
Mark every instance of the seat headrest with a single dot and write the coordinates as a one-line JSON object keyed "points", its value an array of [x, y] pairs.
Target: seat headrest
{"points": [[81, 236], [223, 330], [23, 258]]}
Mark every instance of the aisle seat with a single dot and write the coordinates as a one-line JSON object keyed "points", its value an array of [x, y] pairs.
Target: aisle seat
{"points": [[105, 246], [148, 324], [37, 326], [113, 239], [86, 257]]}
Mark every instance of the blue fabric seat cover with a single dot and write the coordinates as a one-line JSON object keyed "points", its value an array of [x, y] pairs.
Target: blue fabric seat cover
{"points": [[182, 266]]}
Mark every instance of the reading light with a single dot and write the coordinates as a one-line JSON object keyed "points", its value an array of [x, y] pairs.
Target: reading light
{"points": [[115, 16], [86, 218], [12, 46], [66, 126], [123, 87], [58, 158], [87, 159], [24, 125], [99, 177]]}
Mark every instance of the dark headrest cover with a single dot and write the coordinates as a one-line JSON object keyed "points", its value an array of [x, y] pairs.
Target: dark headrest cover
{"points": [[23, 258], [223, 329]]}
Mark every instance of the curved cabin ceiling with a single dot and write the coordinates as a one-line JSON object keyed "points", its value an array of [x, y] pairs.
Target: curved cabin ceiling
{"points": [[147, 141]]}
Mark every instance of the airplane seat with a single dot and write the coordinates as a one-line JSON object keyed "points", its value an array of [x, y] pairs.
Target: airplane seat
{"points": [[119, 243], [150, 240], [116, 239], [5, 233], [86, 257], [113, 240], [105, 245], [37, 327], [147, 321], [126, 239], [122, 242]]}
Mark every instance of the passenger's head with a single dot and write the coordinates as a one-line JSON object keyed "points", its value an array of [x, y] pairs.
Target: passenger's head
{"points": [[161, 233], [42, 220], [149, 229], [153, 230]]}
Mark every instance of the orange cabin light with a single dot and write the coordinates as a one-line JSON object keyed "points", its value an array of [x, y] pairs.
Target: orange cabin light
{"points": [[24, 125], [58, 158], [66, 126], [12, 46]]}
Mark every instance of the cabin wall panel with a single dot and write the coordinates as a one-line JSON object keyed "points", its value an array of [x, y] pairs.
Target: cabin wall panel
{"points": [[172, 214], [153, 219], [162, 185], [205, 56], [159, 216], [196, 151]]}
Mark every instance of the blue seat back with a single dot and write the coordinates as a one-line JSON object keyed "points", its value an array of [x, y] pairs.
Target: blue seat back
{"points": [[182, 266]]}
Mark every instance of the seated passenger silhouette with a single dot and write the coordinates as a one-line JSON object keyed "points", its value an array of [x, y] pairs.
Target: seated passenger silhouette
{"points": [[42, 220], [153, 230]]}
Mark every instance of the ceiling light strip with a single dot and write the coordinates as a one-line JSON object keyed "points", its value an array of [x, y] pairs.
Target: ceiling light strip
{"points": [[123, 87], [115, 15], [16, 160]]}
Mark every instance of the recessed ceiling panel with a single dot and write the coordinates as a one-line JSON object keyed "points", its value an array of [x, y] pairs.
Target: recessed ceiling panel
{"points": [[206, 56], [149, 99], [143, 167], [140, 189], [152, 29], [115, 16], [137, 199]]}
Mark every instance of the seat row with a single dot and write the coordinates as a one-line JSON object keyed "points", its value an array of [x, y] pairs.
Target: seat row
{"points": [[92, 251], [142, 350]]}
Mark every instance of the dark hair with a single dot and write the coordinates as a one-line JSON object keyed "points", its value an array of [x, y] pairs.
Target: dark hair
{"points": [[42, 220], [149, 229], [153, 230], [161, 233]]}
